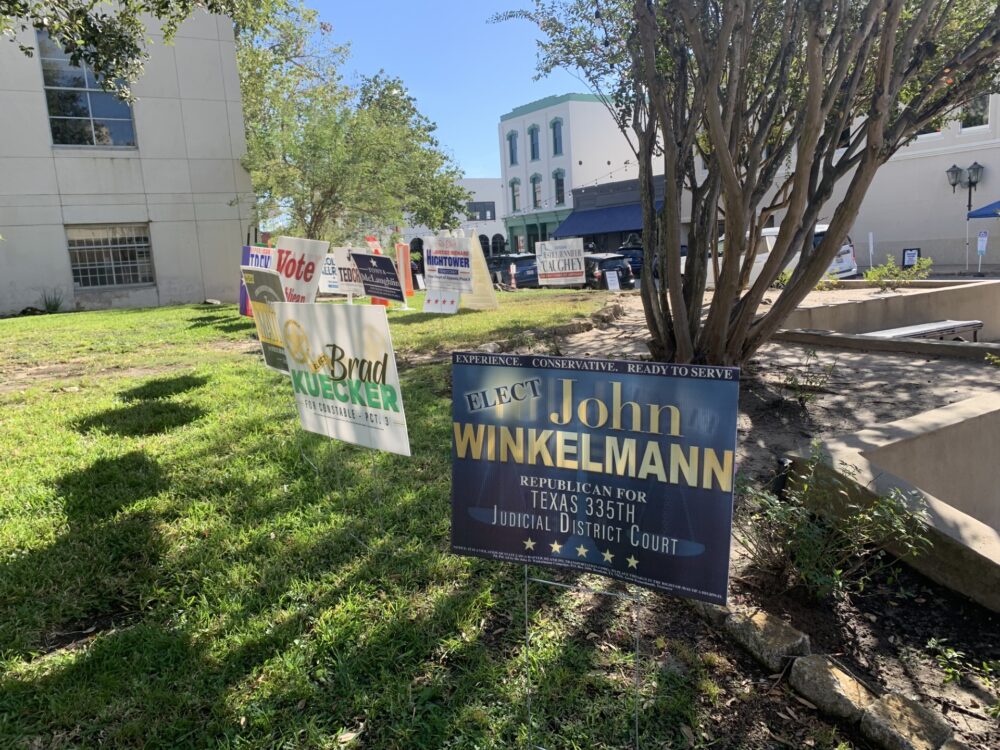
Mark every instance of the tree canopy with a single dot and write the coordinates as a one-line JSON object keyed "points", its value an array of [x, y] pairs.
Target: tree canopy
{"points": [[330, 160], [762, 110]]}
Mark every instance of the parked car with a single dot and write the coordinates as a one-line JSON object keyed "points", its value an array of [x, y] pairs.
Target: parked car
{"points": [[597, 266], [497, 264], [844, 266], [525, 270], [656, 262], [633, 254]]}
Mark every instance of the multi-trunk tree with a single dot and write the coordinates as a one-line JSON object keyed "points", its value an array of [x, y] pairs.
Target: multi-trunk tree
{"points": [[761, 110]]}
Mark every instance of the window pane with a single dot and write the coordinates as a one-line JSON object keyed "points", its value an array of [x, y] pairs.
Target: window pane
{"points": [[71, 132], [108, 105], [114, 133], [48, 48], [67, 103], [60, 73], [110, 255], [976, 112]]}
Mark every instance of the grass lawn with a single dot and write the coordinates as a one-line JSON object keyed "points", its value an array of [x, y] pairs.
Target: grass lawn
{"points": [[176, 574]]}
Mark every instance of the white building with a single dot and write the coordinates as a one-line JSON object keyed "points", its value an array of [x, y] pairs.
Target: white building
{"points": [[112, 205], [911, 204], [549, 147], [481, 219]]}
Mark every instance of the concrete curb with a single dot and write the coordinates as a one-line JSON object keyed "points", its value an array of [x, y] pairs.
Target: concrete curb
{"points": [[891, 721]]}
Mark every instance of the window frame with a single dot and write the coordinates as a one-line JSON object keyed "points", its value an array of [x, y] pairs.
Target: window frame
{"points": [[536, 190], [557, 176], [94, 267], [512, 148], [515, 194], [557, 140], [87, 90], [986, 115], [534, 143]]}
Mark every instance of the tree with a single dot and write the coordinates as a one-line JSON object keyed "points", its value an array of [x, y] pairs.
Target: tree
{"points": [[110, 37], [783, 101], [332, 161]]}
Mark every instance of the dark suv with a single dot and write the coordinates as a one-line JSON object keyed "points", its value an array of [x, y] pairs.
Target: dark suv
{"points": [[632, 253], [597, 266], [525, 269]]}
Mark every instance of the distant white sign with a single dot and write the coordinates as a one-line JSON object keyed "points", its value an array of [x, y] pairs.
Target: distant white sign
{"points": [[340, 275], [448, 263], [612, 276], [981, 243], [343, 373], [441, 302], [560, 262]]}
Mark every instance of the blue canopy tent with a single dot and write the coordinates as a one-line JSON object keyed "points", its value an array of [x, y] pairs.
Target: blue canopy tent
{"points": [[992, 211]]}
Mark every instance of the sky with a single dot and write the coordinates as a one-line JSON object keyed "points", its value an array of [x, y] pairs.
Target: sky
{"points": [[463, 71]]}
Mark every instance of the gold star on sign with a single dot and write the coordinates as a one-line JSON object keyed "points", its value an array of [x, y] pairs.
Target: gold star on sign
{"points": [[529, 543], [608, 557], [556, 548], [581, 551], [632, 562]]}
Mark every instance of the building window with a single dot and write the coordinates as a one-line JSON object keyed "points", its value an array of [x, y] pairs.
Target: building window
{"points": [[536, 191], [110, 255], [80, 113], [557, 146], [533, 143], [976, 113], [559, 183], [481, 210], [515, 195], [512, 147]]}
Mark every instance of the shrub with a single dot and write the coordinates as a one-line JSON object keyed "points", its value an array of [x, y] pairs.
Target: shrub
{"points": [[889, 276], [782, 281], [802, 383], [793, 545], [828, 283], [52, 300], [956, 665], [993, 359]]}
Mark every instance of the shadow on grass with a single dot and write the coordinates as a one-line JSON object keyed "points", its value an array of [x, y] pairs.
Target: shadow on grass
{"points": [[279, 609], [163, 388], [91, 573], [141, 418], [422, 317], [224, 321]]}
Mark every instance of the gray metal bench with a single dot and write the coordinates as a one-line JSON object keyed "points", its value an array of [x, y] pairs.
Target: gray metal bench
{"points": [[939, 329]]}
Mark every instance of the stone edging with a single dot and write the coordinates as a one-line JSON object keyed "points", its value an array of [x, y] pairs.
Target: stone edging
{"points": [[891, 721], [607, 315]]}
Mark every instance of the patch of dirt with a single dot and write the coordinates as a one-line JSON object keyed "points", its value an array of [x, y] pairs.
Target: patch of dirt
{"points": [[78, 633], [791, 395], [19, 378], [41, 374]]}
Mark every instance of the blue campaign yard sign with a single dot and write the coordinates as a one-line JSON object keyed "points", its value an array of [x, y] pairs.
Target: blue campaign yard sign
{"points": [[379, 277], [624, 469]]}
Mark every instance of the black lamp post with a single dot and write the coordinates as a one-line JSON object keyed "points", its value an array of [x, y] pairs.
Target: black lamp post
{"points": [[967, 178]]}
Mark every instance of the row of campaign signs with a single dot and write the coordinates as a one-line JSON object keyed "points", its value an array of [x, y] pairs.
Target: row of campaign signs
{"points": [[619, 468]]}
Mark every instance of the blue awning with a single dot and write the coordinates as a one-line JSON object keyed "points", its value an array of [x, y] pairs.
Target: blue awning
{"points": [[991, 211], [626, 218]]}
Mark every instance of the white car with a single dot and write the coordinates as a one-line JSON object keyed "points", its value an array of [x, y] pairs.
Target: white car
{"points": [[844, 266]]}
